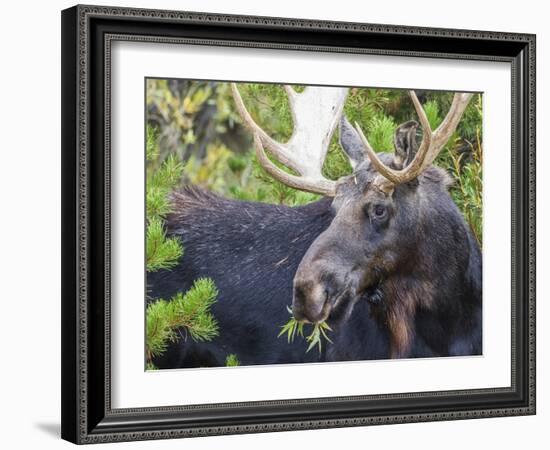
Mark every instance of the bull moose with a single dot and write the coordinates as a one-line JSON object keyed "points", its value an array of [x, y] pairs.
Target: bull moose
{"points": [[385, 257]]}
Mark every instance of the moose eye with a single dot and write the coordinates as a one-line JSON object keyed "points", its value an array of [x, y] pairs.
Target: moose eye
{"points": [[379, 210]]}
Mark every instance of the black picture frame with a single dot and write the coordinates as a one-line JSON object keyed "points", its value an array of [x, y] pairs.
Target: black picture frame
{"points": [[87, 33]]}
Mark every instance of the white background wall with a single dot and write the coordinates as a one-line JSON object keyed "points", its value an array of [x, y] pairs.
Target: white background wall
{"points": [[30, 226]]}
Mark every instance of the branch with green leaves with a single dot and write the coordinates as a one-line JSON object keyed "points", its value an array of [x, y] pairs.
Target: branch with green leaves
{"points": [[182, 315], [185, 314]]}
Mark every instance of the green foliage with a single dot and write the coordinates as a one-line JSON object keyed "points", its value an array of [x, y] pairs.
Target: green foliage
{"points": [[162, 177], [467, 192], [231, 360], [363, 104], [183, 313], [162, 252], [151, 145], [432, 113], [463, 159], [380, 131], [337, 164], [172, 108], [319, 332], [160, 182], [189, 313], [291, 328]]}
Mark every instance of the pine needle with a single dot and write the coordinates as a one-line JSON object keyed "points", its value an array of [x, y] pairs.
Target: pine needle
{"points": [[231, 360], [319, 332], [189, 311]]}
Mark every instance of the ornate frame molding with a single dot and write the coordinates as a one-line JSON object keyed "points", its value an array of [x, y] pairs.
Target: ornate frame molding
{"points": [[88, 32]]}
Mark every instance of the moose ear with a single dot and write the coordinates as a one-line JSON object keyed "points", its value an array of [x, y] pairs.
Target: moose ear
{"points": [[404, 142], [351, 143]]}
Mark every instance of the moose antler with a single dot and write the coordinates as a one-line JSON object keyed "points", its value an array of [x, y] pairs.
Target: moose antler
{"points": [[432, 141], [315, 112]]}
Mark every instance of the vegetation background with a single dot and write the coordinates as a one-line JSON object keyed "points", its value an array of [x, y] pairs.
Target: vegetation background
{"points": [[195, 136]]}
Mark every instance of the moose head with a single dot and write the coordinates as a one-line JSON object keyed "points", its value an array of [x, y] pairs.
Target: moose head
{"points": [[390, 214]]}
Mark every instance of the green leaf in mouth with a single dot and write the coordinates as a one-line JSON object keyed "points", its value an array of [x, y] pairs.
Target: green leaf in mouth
{"points": [[294, 327]]}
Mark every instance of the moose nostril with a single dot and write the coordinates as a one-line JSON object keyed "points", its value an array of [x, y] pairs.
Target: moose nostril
{"points": [[299, 294], [298, 302]]}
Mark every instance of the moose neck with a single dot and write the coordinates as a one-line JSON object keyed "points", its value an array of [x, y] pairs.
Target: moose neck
{"points": [[436, 292]]}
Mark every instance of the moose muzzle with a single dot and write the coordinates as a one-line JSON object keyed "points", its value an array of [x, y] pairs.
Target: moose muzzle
{"points": [[318, 290]]}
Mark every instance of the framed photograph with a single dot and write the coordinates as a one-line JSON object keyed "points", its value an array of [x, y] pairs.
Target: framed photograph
{"points": [[282, 224]]}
